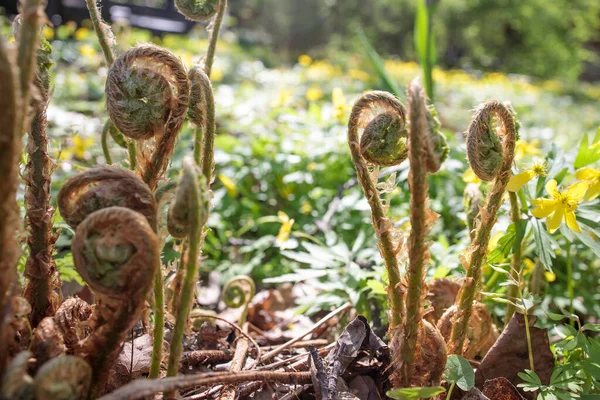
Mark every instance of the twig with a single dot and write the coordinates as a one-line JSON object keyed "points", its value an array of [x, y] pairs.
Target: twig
{"points": [[145, 387], [316, 326], [322, 388], [237, 364]]}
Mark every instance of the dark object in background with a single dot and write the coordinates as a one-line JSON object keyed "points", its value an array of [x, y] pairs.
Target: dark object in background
{"points": [[158, 16]]}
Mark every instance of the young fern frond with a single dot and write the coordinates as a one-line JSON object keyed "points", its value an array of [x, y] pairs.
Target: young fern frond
{"points": [[65, 377], [239, 292], [103, 187], [190, 210], [106, 38], [147, 96], [490, 153], [43, 287], [388, 149], [202, 114], [427, 150], [213, 29], [116, 253]]}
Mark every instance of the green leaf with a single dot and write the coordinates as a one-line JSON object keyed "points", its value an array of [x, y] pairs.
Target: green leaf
{"points": [[459, 371], [388, 83], [415, 393], [543, 242], [588, 153], [591, 327]]}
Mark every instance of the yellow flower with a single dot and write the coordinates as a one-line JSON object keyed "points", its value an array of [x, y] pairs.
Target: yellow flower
{"points": [[314, 94], [305, 207], [229, 185], [82, 34], [470, 177], [550, 276], [538, 168], [494, 240], [592, 177], [305, 60], [286, 228], [87, 51], [78, 150], [339, 103], [561, 205], [524, 148], [283, 98], [48, 32]]}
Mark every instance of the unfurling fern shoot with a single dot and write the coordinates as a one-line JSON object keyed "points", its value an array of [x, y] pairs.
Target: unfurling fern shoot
{"points": [[382, 117], [490, 151], [147, 96], [188, 215]]}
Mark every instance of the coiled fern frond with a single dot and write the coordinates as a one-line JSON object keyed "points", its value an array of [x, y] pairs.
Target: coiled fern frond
{"points": [[147, 96], [116, 253]]}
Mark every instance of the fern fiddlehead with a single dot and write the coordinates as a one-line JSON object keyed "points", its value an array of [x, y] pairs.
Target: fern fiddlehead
{"points": [[427, 151], [195, 10], [239, 292], [63, 378], [190, 209], [103, 187], [147, 95], [202, 114], [389, 138], [116, 253], [490, 153]]}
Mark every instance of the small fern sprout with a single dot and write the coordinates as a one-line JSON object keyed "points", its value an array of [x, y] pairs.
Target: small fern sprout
{"points": [[202, 114], [239, 292], [490, 153], [189, 211], [147, 96], [116, 253], [63, 378], [16, 383], [385, 145]]}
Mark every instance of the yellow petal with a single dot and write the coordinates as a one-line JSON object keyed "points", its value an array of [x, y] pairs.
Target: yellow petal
{"points": [[551, 187], [593, 191], [544, 207], [571, 221], [518, 181], [576, 191], [587, 174], [554, 221]]}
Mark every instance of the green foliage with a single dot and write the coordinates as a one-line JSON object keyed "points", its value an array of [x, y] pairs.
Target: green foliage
{"points": [[415, 393], [459, 372]]}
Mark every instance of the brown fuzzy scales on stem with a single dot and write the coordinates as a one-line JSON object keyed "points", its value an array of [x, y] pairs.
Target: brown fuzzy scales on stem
{"points": [[42, 290], [480, 140], [147, 95], [116, 252], [422, 218], [389, 240]]}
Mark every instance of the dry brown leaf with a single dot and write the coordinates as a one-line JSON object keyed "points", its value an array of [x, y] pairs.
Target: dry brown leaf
{"points": [[509, 354], [128, 368]]}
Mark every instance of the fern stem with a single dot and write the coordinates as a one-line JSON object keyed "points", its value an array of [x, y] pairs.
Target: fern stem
{"points": [[515, 264], [214, 36]]}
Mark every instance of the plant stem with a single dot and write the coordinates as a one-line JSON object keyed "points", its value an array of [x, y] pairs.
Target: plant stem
{"points": [[477, 252], [132, 154], [570, 283], [420, 218], [515, 264], [196, 239], [103, 31], [214, 36], [10, 151], [159, 323], [104, 142], [449, 395]]}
